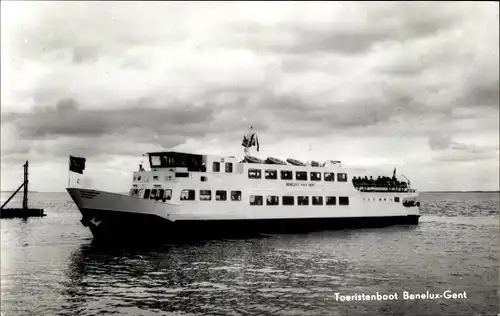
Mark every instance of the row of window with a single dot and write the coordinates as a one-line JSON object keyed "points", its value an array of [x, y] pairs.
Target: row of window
{"points": [[206, 195], [301, 200], [299, 175], [221, 195]]}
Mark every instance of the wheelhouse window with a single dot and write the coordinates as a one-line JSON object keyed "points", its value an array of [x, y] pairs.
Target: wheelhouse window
{"points": [[161, 194], [287, 200], [301, 175], [205, 195], [329, 176], [396, 199], [229, 167], [203, 179], [220, 195], [216, 166], [173, 159], [235, 195], [342, 177], [286, 175], [146, 193], [155, 161], [271, 174], [303, 200], [315, 176], [343, 200], [254, 173], [187, 195], [255, 199], [331, 200], [272, 200], [317, 200]]}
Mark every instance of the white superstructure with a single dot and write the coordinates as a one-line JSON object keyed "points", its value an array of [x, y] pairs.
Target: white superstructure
{"points": [[187, 188]]}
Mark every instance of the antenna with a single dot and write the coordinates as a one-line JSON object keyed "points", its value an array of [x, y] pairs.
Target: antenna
{"points": [[409, 182]]}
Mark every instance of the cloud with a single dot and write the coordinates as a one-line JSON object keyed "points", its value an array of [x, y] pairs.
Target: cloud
{"points": [[110, 81], [440, 141]]}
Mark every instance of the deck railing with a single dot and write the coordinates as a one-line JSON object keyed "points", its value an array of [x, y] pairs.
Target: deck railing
{"points": [[382, 188]]}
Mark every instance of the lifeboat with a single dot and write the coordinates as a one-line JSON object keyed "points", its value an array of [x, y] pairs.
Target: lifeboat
{"points": [[252, 159], [275, 161], [295, 162]]}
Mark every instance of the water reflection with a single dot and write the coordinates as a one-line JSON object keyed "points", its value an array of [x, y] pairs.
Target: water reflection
{"points": [[275, 274]]}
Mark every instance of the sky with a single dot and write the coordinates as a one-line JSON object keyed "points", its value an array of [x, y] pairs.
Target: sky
{"points": [[377, 85]]}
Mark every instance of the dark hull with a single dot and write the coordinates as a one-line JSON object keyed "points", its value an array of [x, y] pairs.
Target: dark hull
{"points": [[121, 226]]}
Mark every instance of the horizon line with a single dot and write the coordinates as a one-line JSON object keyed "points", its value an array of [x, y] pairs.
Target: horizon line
{"points": [[439, 191]]}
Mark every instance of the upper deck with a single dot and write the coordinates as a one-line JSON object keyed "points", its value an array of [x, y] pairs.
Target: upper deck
{"points": [[186, 167]]}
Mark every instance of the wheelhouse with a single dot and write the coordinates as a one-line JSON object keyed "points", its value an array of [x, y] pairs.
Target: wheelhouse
{"points": [[192, 162]]}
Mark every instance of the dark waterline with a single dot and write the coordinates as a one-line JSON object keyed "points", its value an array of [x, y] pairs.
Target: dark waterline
{"points": [[52, 266]]}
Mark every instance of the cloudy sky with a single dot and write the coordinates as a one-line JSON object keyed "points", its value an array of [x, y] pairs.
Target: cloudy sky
{"points": [[376, 85]]}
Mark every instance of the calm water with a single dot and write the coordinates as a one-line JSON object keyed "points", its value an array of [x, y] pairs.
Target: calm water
{"points": [[49, 266]]}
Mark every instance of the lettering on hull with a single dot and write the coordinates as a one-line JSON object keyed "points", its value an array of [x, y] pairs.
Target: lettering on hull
{"points": [[292, 184]]}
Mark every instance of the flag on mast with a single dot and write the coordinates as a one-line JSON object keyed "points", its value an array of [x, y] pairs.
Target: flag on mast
{"points": [[76, 165], [251, 139]]}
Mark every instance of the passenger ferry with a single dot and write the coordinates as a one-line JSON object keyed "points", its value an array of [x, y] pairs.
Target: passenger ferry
{"points": [[186, 195]]}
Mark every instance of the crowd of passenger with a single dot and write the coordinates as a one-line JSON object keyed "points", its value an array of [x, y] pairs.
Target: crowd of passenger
{"points": [[385, 183]]}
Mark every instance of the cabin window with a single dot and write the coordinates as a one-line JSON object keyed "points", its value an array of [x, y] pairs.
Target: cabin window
{"points": [[341, 177], [271, 174], [329, 176], [220, 195], [343, 200], [146, 194], [254, 173], [161, 193], [229, 167], [255, 199], [153, 194], [155, 177], [139, 178], [396, 199], [203, 179], [286, 175], [187, 195], [205, 195], [235, 195], [300, 175], [132, 192], [216, 166], [287, 200], [315, 176], [303, 200], [331, 200], [182, 174], [317, 200], [168, 194], [272, 200]]}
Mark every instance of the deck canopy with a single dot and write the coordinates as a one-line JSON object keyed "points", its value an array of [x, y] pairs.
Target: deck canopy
{"points": [[171, 159]]}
